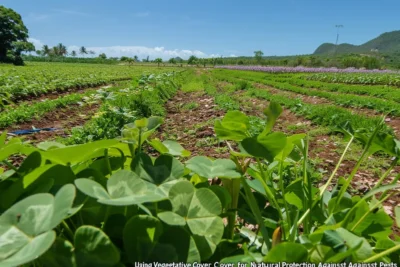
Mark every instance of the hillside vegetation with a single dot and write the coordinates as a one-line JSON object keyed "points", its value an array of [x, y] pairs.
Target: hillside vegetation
{"points": [[388, 43]]}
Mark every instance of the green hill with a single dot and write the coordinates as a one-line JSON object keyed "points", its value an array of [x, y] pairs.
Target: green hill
{"points": [[387, 43]]}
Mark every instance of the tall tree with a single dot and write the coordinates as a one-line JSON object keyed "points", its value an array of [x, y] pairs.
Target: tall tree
{"points": [[45, 50], [83, 51], [136, 58], [73, 53], [258, 55], [158, 61], [103, 56], [192, 60], [60, 50], [13, 35]]}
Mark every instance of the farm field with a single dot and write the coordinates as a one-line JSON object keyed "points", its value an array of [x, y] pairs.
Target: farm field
{"points": [[209, 164]]}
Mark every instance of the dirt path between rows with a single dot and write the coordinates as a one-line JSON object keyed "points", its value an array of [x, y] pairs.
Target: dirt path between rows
{"points": [[193, 128], [391, 121], [63, 119]]}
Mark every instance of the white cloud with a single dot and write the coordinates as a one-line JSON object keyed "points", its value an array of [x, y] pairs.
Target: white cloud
{"points": [[143, 52], [72, 12], [130, 51], [142, 14], [232, 55], [37, 43], [37, 17]]}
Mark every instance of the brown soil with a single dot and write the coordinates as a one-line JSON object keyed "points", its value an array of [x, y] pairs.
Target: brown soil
{"points": [[63, 119], [191, 126]]}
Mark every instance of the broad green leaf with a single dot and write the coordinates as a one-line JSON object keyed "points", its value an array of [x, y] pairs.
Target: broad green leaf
{"points": [[185, 249], [205, 167], [377, 223], [94, 248], [165, 168], [239, 259], [171, 218], [321, 253], [332, 239], [78, 153], [266, 147], [140, 236], [169, 147], [287, 252], [59, 255], [32, 249], [200, 208], [124, 188], [48, 145], [26, 227], [397, 214], [295, 194], [234, 126], [339, 257], [32, 162], [364, 252], [273, 111]]}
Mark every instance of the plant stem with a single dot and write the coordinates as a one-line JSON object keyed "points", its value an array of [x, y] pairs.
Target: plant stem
{"points": [[108, 165], [382, 254], [386, 174], [68, 230], [325, 186], [270, 196]]}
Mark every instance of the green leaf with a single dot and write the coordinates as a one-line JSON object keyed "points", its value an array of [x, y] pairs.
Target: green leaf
{"points": [[205, 167], [59, 255], [140, 236], [48, 145], [397, 214], [124, 188], [234, 126], [94, 248], [26, 227], [200, 208], [321, 253], [364, 252], [165, 168], [169, 147], [32, 249], [273, 111], [287, 252], [78, 153], [294, 193], [266, 147], [172, 218], [332, 239]]}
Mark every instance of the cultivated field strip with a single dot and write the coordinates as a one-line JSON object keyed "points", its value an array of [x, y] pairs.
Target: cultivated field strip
{"points": [[41, 78]]}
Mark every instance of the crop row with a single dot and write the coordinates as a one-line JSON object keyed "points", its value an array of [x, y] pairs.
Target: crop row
{"points": [[380, 105], [39, 78], [145, 97], [27, 111], [112, 204], [386, 79], [326, 115], [300, 69]]}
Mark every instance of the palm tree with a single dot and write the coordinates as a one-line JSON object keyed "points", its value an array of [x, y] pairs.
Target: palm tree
{"points": [[62, 50], [45, 50], [158, 61], [136, 58], [92, 52], [82, 50], [73, 53]]}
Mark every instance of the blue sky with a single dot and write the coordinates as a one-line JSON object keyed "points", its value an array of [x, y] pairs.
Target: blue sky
{"points": [[169, 28]]}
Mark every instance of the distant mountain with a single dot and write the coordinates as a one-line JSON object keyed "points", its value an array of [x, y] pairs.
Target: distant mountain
{"points": [[388, 43]]}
